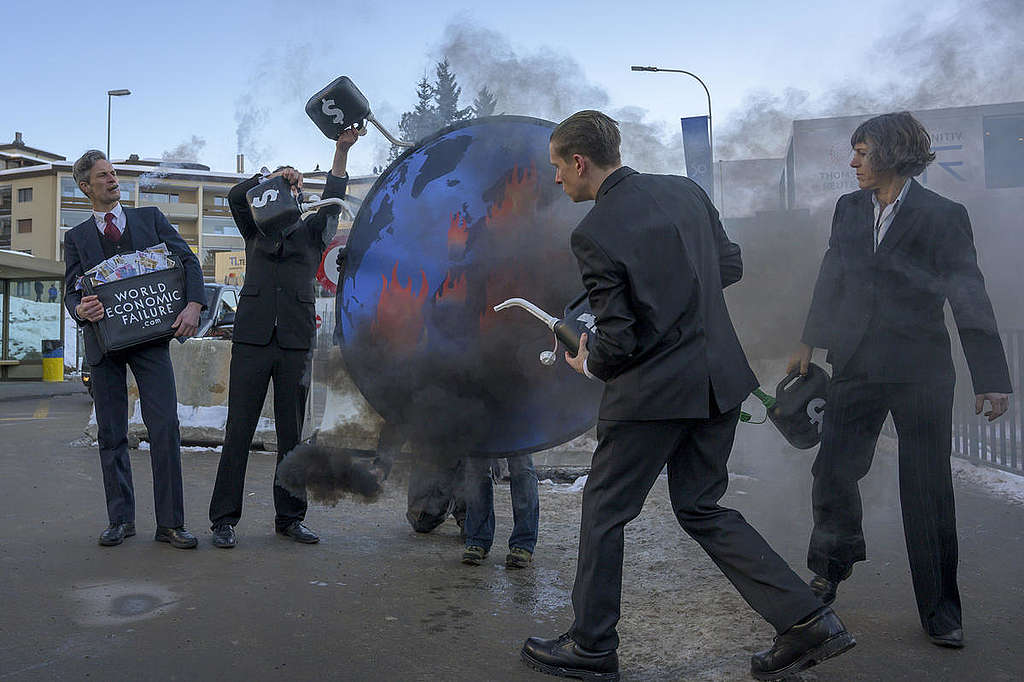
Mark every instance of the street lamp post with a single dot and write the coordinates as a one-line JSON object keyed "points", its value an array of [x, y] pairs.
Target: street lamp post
{"points": [[711, 139], [113, 93]]}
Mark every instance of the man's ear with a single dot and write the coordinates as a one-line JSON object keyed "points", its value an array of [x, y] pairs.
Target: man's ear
{"points": [[581, 164], [84, 186]]}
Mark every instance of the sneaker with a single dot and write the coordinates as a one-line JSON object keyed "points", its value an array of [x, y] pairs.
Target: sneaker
{"points": [[518, 558], [474, 555]]}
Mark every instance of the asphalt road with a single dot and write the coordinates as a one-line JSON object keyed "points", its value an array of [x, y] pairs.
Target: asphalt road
{"points": [[375, 601]]}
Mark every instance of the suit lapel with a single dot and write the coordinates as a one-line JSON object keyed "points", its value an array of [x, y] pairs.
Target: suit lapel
{"points": [[864, 212], [905, 220], [92, 250]]}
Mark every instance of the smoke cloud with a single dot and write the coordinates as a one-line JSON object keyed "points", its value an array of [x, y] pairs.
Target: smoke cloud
{"points": [[328, 474], [551, 85], [971, 59], [186, 151]]}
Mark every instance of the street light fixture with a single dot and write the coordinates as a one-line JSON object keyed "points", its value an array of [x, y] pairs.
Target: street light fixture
{"points": [[113, 93], [711, 139]]}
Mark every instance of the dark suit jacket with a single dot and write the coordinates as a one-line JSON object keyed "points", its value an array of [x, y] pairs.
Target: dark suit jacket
{"points": [[887, 307], [280, 271], [147, 227], [654, 259]]}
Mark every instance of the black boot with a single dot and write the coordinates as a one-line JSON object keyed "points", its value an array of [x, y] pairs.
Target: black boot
{"points": [[805, 644], [565, 658], [116, 533]]}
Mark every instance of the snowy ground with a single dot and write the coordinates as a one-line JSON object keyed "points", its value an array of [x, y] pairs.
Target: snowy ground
{"points": [[31, 321], [1003, 484]]}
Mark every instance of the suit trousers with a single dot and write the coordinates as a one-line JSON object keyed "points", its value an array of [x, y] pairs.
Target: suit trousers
{"points": [[252, 368], [923, 416], [154, 375], [627, 462]]}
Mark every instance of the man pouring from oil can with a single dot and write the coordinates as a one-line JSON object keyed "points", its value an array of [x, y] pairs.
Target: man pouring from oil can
{"points": [[273, 339], [114, 229]]}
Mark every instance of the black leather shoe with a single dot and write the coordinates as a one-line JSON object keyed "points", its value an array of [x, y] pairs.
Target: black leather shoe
{"points": [[116, 533], [177, 537], [954, 639], [803, 645], [224, 536], [824, 589], [296, 531], [565, 658]]}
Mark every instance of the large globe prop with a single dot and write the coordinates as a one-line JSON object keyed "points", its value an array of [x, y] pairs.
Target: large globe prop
{"points": [[465, 220]]}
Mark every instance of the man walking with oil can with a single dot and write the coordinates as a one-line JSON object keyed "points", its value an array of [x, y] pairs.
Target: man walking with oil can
{"points": [[114, 229], [897, 253]]}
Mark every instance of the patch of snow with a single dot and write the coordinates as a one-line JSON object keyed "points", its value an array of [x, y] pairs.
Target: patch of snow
{"points": [[998, 482], [574, 487], [31, 321]]}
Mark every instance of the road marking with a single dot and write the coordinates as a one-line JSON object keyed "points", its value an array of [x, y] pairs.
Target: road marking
{"points": [[42, 411]]}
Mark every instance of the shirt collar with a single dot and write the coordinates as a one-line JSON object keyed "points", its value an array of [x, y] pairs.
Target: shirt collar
{"points": [[899, 197], [100, 216], [612, 180]]}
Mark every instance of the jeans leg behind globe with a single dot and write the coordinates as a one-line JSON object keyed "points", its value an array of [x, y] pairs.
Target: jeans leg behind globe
{"points": [[525, 502], [479, 524], [110, 393]]}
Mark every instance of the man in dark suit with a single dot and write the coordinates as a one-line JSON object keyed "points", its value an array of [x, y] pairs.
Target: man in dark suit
{"points": [[114, 229], [273, 339], [654, 259], [897, 253]]}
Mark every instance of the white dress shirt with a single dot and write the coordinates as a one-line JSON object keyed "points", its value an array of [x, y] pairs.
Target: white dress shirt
{"points": [[885, 216], [119, 220]]}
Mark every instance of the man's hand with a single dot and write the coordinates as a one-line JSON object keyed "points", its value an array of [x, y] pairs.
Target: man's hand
{"points": [[347, 138], [581, 356], [90, 309], [800, 359], [188, 320], [1000, 402], [293, 177]]}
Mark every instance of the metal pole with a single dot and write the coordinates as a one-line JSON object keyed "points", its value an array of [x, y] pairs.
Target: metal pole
{"points": [[711, 137], [108, 125]]}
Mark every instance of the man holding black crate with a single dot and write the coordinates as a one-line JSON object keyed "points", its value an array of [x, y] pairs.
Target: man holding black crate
{"points": [[273, 333], [112, 230]]}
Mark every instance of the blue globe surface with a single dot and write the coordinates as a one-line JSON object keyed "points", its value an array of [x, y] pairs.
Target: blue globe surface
{"points": [[466, 219]]}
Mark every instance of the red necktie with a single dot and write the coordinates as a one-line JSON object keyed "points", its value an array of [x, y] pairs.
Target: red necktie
{"points": [[111, 231]]}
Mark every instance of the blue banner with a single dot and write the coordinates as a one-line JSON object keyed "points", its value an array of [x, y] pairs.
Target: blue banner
{"points": [[697, 148]]}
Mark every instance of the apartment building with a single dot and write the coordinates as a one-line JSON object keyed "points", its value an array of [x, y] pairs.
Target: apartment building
{"points": [[40, 202]]}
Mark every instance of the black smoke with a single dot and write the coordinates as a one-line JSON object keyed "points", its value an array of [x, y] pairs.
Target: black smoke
{"points": [[328, 474]]}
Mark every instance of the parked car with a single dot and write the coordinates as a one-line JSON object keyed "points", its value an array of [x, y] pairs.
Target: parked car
{"points": [[216, 321]]}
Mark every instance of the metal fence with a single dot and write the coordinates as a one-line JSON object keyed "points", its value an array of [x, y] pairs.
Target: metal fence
{"points": [[997, 444]]}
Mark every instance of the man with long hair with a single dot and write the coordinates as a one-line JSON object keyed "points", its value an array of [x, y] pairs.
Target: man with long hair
{"points": [[897, 253]]}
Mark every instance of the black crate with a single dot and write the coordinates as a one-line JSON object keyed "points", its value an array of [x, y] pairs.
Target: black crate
{"points": [[139, 309]]}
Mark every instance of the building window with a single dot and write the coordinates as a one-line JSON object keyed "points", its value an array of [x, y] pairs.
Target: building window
{"points": [[5, 232], [159, 197], [70, 190], [71, 218], [216, 225], [25, 194], [24, 225], [221, 201], [127, 190], [5, 198], [1004, 151]]}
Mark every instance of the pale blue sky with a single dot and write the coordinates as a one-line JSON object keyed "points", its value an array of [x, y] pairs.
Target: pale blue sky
{"points": [[190, 64]]}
